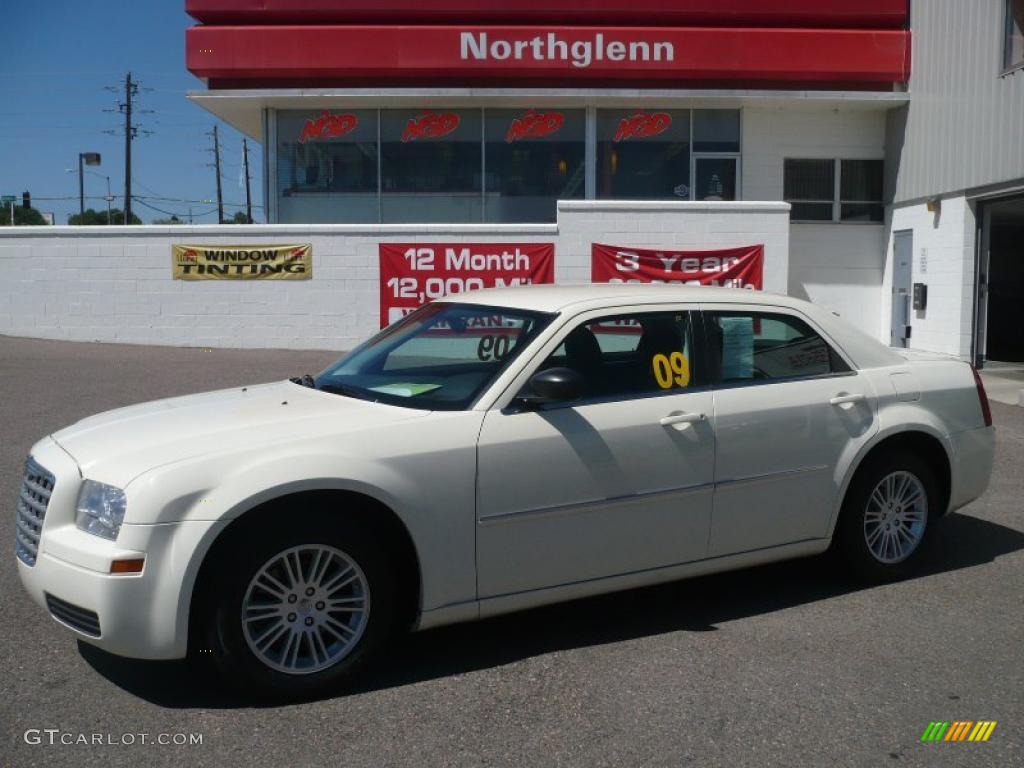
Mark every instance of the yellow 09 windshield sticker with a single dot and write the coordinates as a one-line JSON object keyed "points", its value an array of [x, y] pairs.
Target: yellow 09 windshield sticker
{"points": [[671, 370]]}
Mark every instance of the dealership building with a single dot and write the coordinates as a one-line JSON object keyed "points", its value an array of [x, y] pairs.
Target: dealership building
{"points": [[893, 129], [873, 147]]}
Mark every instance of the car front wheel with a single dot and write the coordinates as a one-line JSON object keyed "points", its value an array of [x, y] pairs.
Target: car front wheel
{"points": [[296, 614]]}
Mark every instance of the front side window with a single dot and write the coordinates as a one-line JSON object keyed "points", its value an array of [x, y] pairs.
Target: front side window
{"points": [[1013, 51], [431, 165], [746, 347], [440, 357], [626, 356]]}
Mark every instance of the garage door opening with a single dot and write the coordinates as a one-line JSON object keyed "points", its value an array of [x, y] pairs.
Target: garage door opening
{"points": [[1000, 326]]}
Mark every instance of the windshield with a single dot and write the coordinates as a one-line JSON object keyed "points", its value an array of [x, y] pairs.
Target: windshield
{"points": [[440, 357]]}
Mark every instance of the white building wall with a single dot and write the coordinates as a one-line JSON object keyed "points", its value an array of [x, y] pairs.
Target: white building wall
{"points": [[840, 266], [943, 259], [113, 284]]}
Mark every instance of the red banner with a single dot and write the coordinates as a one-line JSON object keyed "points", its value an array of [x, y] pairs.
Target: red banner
{"points": [[728, 267], [412, 274]]}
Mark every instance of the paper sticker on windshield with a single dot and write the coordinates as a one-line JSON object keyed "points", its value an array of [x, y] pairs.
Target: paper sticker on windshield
{"points": [[405, 390]]}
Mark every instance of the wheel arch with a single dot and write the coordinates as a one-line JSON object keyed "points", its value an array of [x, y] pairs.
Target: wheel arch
{"points": [[920, 439], [372, 511]]}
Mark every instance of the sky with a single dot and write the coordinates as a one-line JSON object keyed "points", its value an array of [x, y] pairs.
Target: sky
{"points": [[58, 58]]}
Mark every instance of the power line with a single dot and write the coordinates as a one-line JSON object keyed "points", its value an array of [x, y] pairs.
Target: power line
{"points": [[174, 213]]}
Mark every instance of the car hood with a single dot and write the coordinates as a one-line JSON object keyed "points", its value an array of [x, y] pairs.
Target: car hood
{"points": [[117, 446]]}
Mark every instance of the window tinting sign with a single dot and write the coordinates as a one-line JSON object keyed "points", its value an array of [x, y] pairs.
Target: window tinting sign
{"points": [[242, 262]]}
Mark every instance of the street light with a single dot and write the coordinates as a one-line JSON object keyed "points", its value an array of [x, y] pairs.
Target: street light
{"points": [[109, 197], [86, 158]]}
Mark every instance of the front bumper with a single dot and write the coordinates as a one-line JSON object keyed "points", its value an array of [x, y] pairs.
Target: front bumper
{"points": [[143, 615]]}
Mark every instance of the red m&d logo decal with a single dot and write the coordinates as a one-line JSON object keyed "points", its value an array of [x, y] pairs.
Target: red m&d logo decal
{"points": [[429, 125], [534, 125], [643, 126], [328, 126]]}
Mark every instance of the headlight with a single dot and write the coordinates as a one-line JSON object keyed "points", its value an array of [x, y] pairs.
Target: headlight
{"points": [[100, 509]]}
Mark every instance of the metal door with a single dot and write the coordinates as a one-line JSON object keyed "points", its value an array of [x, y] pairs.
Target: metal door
{"points": [[902, 264]]}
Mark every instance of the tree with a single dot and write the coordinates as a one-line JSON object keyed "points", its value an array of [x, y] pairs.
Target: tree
{"points": [[173, 220], [93, 217], [238, 218], [22, 216]]}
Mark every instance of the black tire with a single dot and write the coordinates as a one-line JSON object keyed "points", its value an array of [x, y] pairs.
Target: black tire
{"points": [[850, 542], [259, 543]]}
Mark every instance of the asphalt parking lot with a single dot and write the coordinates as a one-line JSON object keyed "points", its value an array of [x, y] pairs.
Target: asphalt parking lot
{"points": [[784, 665]]}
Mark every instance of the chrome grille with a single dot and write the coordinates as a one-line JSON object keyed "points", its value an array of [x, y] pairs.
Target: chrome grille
{"points": [[36, 487]]}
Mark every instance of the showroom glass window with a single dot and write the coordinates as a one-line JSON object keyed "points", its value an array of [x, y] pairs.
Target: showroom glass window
{"points": [[716, 146], [1013, 55], [431, 165], [327, 166], [643, 154], [664, 154], [533, 159]]}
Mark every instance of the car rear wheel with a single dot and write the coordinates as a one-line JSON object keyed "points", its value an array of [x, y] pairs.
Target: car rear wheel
{"points": [[297, 613], [885, 515]]}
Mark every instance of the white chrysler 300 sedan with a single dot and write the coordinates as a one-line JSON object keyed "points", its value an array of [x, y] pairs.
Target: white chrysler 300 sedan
{"points": [[491, 452]]}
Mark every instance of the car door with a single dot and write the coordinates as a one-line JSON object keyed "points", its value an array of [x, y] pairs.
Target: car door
{"points": [[617, 482], [788, 406]]}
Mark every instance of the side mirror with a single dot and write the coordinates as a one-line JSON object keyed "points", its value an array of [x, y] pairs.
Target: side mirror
{"points": [[556, 385]]}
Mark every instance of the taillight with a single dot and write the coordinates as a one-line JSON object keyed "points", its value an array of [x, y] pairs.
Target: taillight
{"points": [[986, 411]]}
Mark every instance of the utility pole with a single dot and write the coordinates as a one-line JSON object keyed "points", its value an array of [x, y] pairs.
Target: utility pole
{"points": [[248, 193], [81, 189], [216, 165], [129, 133]]}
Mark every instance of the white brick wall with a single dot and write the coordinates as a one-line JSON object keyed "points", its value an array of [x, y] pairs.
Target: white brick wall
{"points": [[840, 266], [947, 240], [114, 284]]}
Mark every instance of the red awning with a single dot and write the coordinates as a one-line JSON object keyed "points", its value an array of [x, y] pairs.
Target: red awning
{"points": [[875, 14]]}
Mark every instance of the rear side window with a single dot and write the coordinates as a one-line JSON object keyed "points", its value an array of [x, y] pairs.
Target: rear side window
{"points": [[746, 347], [625, 356]]}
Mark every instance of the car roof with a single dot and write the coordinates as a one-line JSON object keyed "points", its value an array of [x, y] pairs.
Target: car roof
{"points": [[556, 298], [864, 350]]}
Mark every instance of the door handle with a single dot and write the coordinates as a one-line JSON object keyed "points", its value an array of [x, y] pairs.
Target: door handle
{"points": [[844, 399], [682, 418]]}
